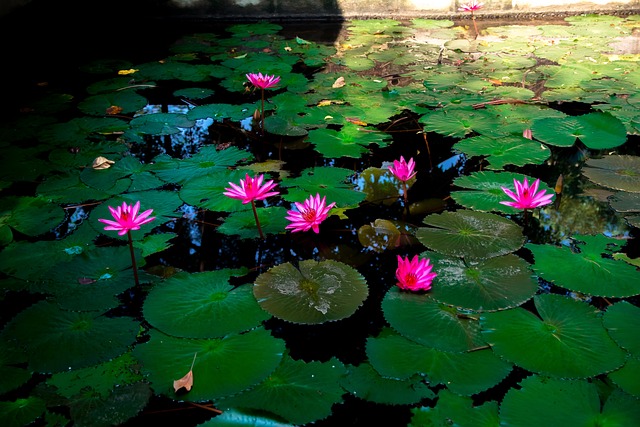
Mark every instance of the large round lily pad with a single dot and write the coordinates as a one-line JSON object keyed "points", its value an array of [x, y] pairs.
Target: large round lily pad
{"points": [[568, 340], [620, 172], [471, 235], [57, 339], [202, 305], [315, 292], [430, 323], [549, 401], [222, 366], [599, 274], [484, 285]]}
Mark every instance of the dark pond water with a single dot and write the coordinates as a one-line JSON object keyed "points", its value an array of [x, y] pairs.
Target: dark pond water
{"points": [[53, 62]]}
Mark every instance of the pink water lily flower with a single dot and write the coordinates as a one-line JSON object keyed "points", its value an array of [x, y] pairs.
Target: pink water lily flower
{"points": [[127, 218], [527, 197], [414, 274], [402, 169], [472, 6], [309, 215], [251, 189], [263, 81]]}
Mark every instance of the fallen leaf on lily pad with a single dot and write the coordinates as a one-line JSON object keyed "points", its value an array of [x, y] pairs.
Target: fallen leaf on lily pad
{"points": [[102, 163], [187, 380]]}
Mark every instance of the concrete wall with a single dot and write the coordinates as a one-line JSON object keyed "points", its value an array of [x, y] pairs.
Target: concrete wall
{"points": [[283, 9]]}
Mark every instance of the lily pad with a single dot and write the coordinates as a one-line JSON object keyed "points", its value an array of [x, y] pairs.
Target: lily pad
{"points": [[598, 131], [619, 320], [459, 410], [161, 123], [300, 392], [492, 284], [202, 305], [243, 223], [568, 340], [487, 192], [86, 337], [620, 172], [206, 161], [330, 182], [504, 150], [22, 411], [600, 275], [32, 216], [312, 293], [550, 401], [470, 234], [366, 383], [350, 141], [222, 366], [424, 320], [394, 356]]}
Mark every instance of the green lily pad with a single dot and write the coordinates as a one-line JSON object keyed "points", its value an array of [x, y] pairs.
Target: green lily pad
{"points": [[460, 410], [22, 411], [619, 320], [80, 129], [628, 377], [601, 276], [598, 131], [161, 123], [620, 172], [206, 192], [313, 293], [568, 340], [32, 216], [219, 112], [202, 305], [105, 394], [222, 366], [206, 161], [504, 150], [86, 337], [100, 105], [366, 383], [550, 401], [93, 279], [12, 362], [330, 182], [194, 93], [424, 320], [300, 392], [487, 190], [243, 223], [492, 284], [469, 234], [350, 141], [394, 356]]}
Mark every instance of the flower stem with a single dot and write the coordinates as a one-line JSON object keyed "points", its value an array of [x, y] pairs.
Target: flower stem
{"points": [[262, 117], [475, 26], [255, 215], [133, 259], [406, 200]]}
